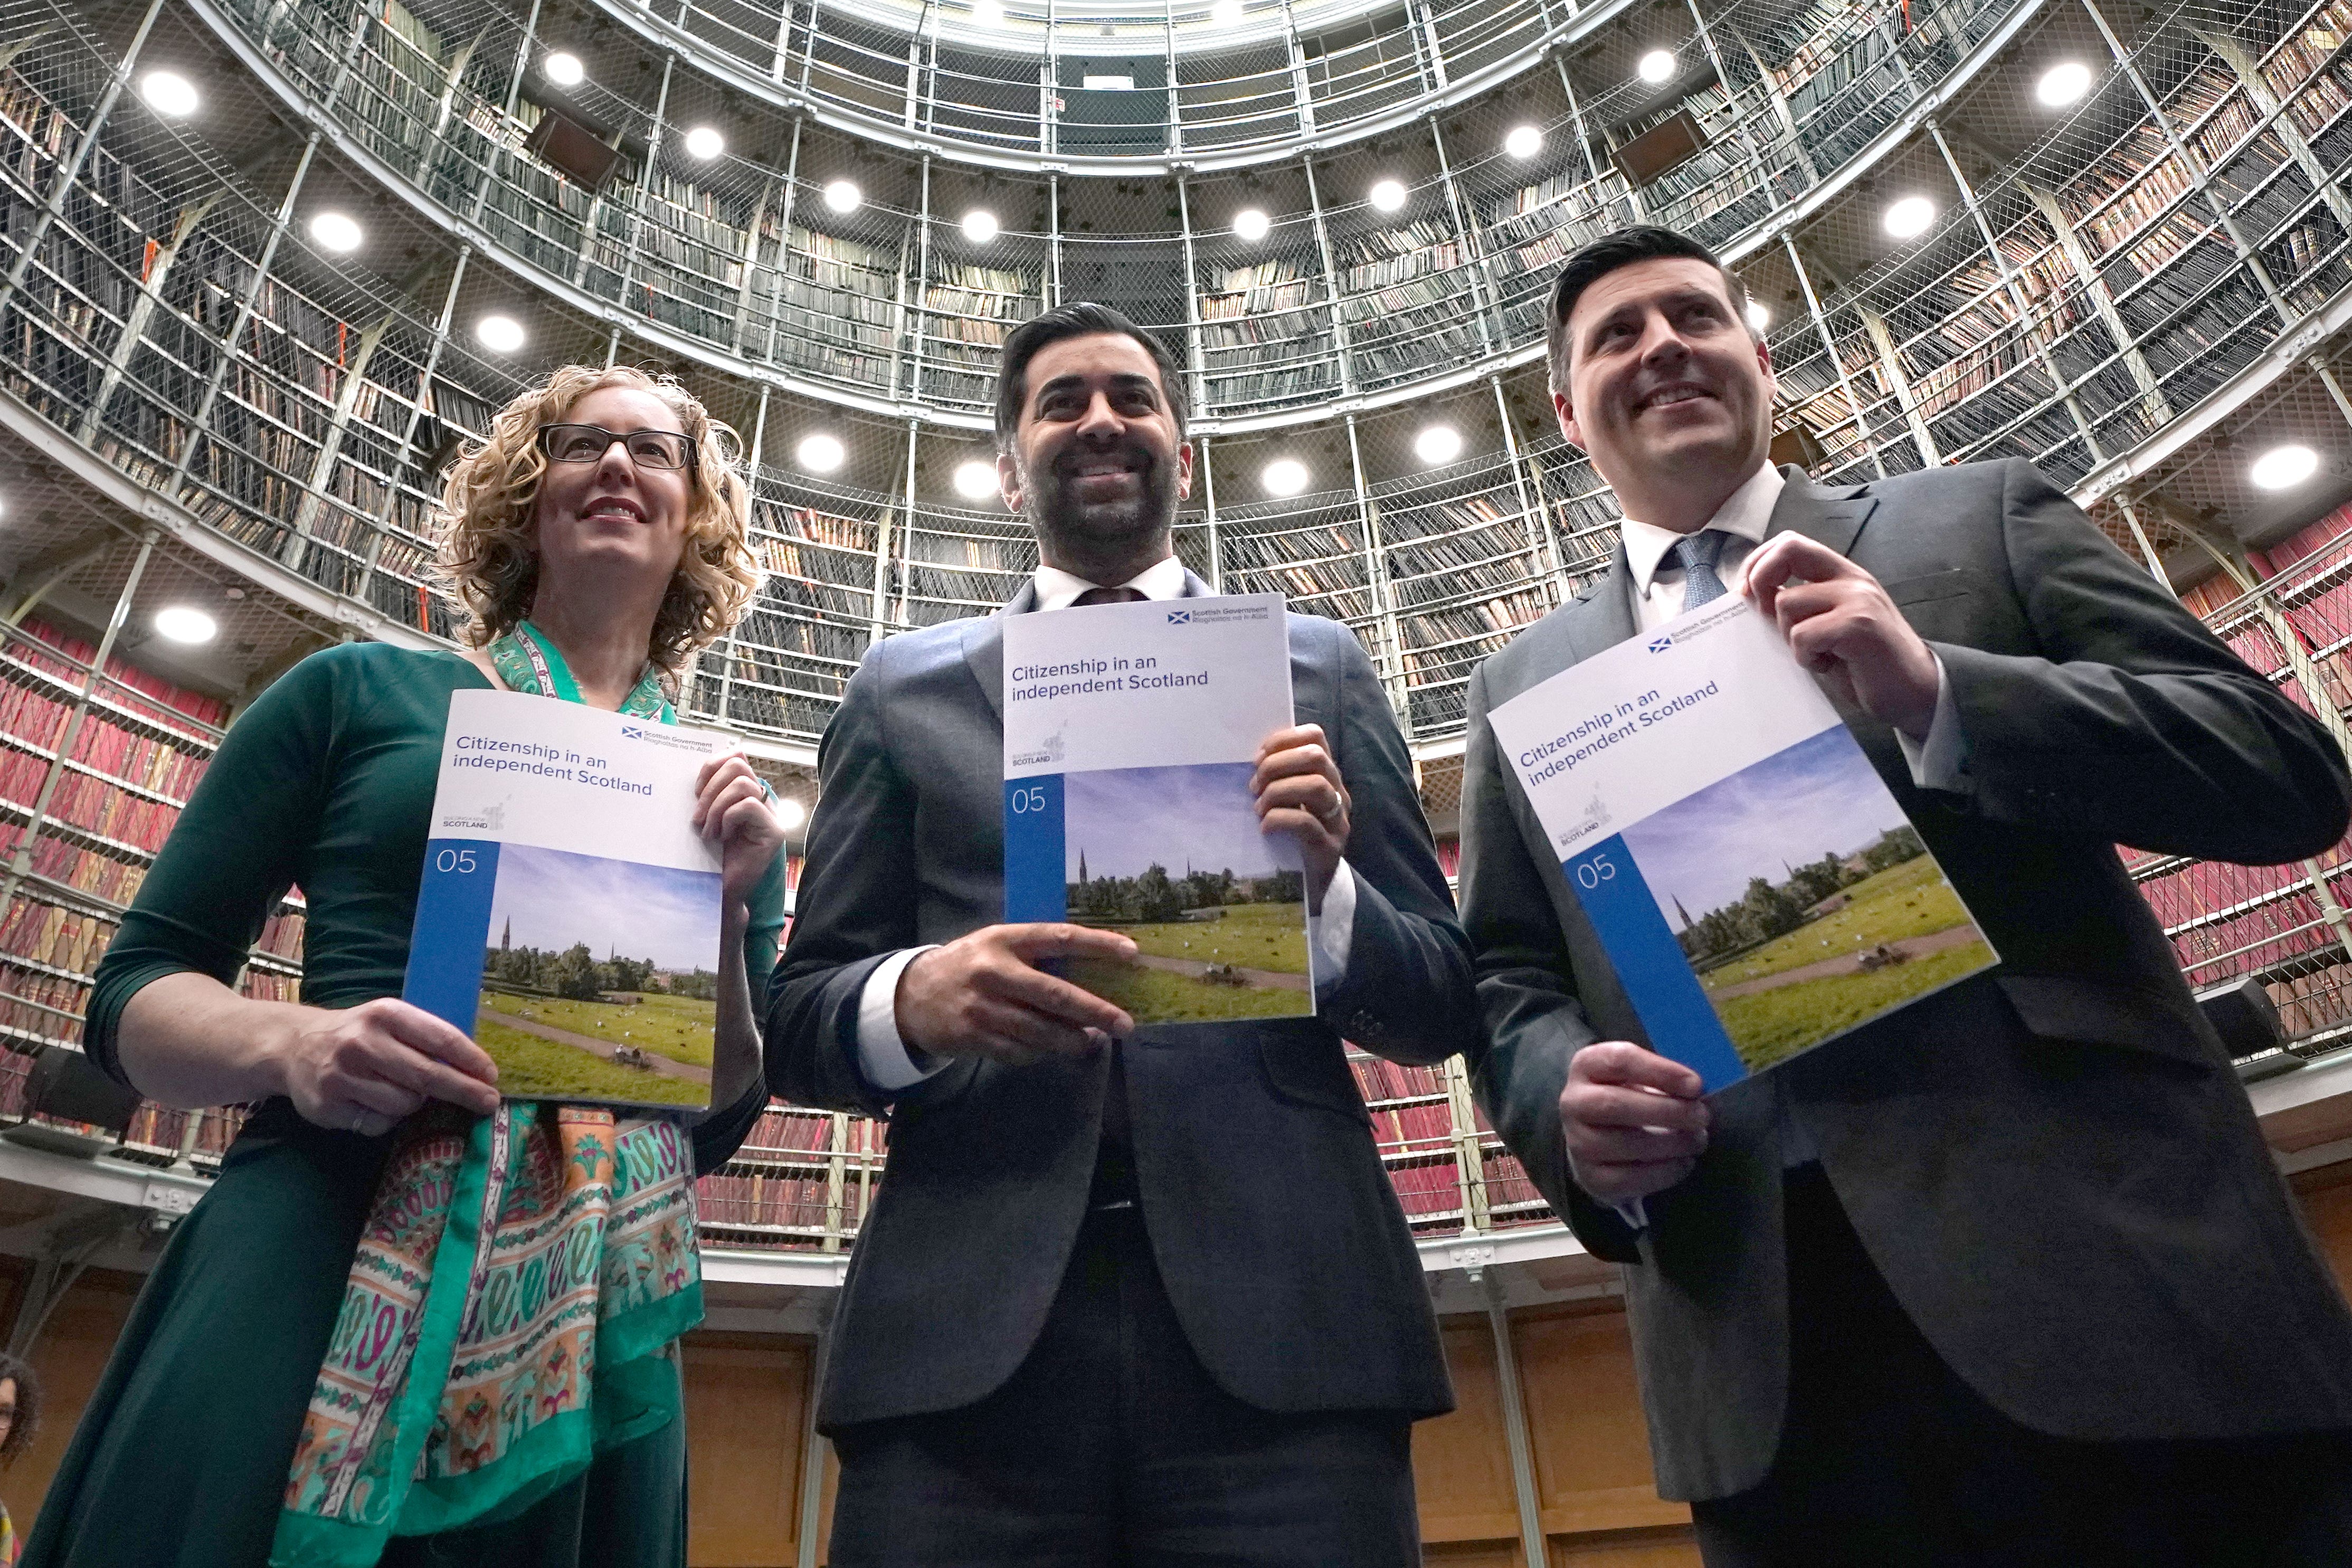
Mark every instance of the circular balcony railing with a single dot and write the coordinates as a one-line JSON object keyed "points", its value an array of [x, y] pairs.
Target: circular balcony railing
{"points": [[2097, 282]]}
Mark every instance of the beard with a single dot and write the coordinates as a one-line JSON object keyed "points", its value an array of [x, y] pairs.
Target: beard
{"points": [[1062, 517]]}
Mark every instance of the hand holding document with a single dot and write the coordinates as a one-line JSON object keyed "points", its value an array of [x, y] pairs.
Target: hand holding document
{"points": [[1757, 888], [1131, 735], [569, 918]]}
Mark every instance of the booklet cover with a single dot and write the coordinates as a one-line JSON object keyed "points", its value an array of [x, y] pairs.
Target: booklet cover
{"points": [[1130, 735], [569, 918], [1755, 884]]}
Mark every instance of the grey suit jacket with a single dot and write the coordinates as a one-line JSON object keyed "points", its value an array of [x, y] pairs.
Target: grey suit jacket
{"points": [[2053, 1166], [1280, 1240]]}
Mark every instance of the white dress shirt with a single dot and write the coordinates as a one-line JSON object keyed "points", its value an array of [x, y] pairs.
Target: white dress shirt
{"points": [[883, 1055]]}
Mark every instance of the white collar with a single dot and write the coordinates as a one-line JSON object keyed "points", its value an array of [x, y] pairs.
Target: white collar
{"points": [[1059, 590], [1746, 512]]}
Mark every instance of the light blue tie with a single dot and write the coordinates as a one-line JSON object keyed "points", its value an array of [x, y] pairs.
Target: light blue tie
{"points": [[1699, 552]]}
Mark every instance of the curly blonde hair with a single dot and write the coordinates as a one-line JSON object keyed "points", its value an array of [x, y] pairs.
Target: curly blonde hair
{"points": [[488, 519]]}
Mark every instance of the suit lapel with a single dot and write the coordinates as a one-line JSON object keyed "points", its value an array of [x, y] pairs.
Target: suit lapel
{"points": [[983, 646], [1833, 515], [1603, 618]]}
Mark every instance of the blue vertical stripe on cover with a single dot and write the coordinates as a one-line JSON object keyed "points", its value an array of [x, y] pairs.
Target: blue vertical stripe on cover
{"points": [[452, 934], [1036, 880], [1650, 964]]}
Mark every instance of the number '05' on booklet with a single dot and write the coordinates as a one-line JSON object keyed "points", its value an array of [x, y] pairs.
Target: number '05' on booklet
{"points": [[569, 918], [1131, 736], [1757, 887]]}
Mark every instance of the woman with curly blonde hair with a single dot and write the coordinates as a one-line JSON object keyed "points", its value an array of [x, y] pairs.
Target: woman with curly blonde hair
{"points": [[595, 541]]}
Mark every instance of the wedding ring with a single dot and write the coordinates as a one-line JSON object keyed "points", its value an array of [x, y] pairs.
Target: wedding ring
{"points": [[1329, 815]]}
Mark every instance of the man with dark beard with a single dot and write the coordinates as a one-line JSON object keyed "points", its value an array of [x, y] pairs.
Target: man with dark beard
{"points": [[1126, 1296]]}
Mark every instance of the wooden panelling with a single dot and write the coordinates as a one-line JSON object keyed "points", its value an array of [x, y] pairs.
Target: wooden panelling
{"points": [[2327, 1195], [1462, 1462], [1474, 1554], [1584, 1419], [68, 1358], [746, 1396], [1671, 1548]]}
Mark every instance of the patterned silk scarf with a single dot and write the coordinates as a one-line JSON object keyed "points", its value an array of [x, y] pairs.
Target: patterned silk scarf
{"points": [[515, 1302]]}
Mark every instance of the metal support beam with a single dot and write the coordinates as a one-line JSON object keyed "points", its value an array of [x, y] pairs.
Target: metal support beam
{"points": [[20, 865], [142, 310], [1330, 284], [1837, 362], [1515, 1426], [52, 209]]}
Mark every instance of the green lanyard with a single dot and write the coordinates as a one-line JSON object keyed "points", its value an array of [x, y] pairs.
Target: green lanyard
{"points": [[527, 660]]}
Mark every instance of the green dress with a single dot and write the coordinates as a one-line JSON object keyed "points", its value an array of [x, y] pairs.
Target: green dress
{"points": [[182, 1455]]}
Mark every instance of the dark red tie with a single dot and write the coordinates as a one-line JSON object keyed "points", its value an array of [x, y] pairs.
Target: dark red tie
{"points": [[1107, 596]]}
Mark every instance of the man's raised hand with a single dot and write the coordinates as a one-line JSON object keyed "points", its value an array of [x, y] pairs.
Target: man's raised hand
{"points": [[1842, 627], [984, 995], [1633, 1120]]}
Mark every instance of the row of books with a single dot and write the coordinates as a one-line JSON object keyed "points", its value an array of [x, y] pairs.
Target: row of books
{"points": [[50, 933], [47, 1006]]}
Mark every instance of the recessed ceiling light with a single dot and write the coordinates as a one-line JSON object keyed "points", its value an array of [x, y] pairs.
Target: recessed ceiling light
{"points": [[1656, 66], [843, 197], [979, 226], [1910, 218], [1226, 13], [988, 13], [1388, 196], [1284, 477], [1524, 141], [1438, 443], [564, 69], [1758, 316], [184, 624], [169, 92], [1251, 224], [336, 232], [790, 813], [2062, 84], [2283, 466], [820, 454], [498, 334], [704, 143], [976, 480]]}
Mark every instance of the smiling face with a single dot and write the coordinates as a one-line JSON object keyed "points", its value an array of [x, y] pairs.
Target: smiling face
{"points": [[1096, 464], [1668, 392], [611, 516]]}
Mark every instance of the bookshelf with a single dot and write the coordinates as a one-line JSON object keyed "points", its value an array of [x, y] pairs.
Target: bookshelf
{"points": [[1266, 339]]}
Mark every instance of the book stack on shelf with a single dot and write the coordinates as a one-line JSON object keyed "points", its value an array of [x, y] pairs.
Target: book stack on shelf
{"points": [[1265, 336], [778, 1190], [837, 305], [1407, 305], [967, 311], [1412, 1123], [1319, 566], [1532, 231], [690, 259]]}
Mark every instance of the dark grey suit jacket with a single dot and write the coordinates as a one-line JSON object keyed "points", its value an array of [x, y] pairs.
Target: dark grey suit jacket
{"points": [[2053, 1166], [1279, 1235]]}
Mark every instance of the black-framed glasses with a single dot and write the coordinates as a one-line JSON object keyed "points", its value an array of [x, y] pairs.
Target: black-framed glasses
{"points": [[589, 442]]}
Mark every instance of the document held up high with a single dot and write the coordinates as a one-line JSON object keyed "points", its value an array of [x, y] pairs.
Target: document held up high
{"points": [[1757, 888], [569, 917], [1131, 736]]}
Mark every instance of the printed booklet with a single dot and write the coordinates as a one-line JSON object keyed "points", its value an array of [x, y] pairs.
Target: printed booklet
{"points": [[1130, 735], [586, 976], [1756, 886]]}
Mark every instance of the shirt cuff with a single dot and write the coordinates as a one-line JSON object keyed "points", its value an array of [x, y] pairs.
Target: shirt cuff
{"points": [[1332, 933], [882, 1056], [1940, 761]]}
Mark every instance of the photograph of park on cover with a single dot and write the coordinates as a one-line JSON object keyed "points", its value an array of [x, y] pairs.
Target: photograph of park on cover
{"points": [[1173, 858], [599, 981], [1793, 948]]}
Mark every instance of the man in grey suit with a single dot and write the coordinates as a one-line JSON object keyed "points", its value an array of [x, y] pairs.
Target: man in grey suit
{"points": [[2008, 1276], [1132, 1296]]}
